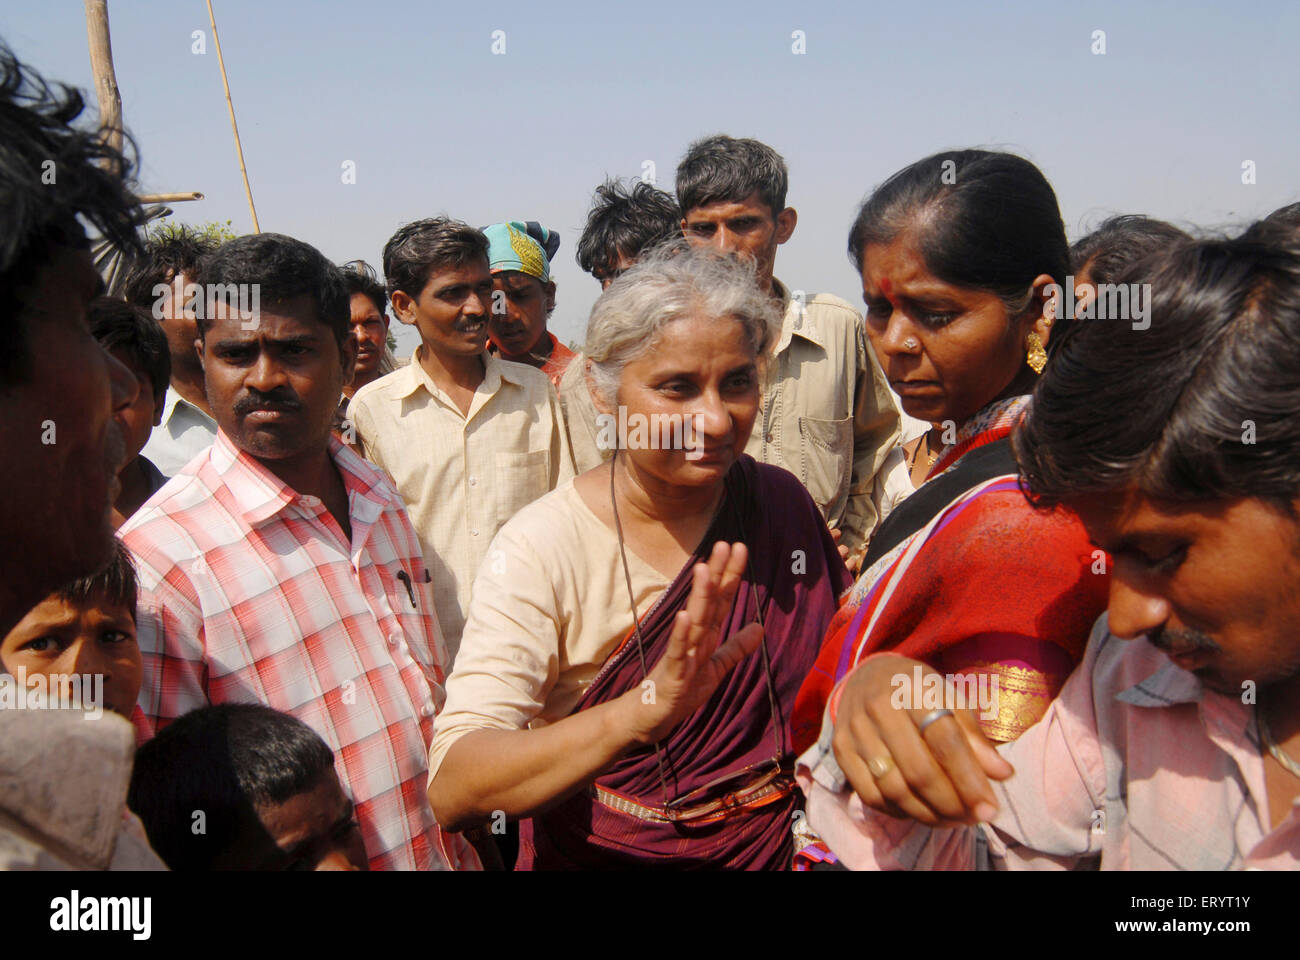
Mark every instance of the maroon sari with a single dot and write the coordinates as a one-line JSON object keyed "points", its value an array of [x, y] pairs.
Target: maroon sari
{"points": [[796, 577]]}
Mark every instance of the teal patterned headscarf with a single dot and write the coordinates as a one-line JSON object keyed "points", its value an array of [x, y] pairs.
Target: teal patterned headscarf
{"points": [[526, 247]]}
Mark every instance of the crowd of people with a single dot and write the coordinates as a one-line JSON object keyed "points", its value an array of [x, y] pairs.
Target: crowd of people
{"points": [[670, 599]]}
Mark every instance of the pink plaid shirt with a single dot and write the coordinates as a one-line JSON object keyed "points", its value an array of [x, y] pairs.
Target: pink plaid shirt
{"points": [[249, 593], [1135, 766]]}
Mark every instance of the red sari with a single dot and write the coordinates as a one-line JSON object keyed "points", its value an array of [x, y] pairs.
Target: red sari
{"points": [[987, 586]]}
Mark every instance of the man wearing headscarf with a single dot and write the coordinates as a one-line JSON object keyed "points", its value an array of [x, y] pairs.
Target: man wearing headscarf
{"points": [[523, 296]]}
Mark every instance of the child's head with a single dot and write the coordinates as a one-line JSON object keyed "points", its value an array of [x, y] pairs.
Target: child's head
{"points": [[87, 627], [260, 784], [133, 337]]}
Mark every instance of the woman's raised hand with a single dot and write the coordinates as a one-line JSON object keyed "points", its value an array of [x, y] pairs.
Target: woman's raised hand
{"points": [[939, 776], [694, 663]]}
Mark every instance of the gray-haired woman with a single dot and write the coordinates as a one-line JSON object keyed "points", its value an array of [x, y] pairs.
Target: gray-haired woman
{"points": [[604, 686]]}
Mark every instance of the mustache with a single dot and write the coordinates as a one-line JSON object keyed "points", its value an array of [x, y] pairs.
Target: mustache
{"points": [[1182, 641], [269, 401]]}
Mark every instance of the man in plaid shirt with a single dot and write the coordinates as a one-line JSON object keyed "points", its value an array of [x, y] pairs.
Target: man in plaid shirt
{"points": [[280, 568]]}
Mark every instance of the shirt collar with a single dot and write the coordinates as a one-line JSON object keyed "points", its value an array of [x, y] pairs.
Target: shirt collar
{"points": [[495, 370], [796, 320], [172, 400], [260, 495], [1171, 685]]}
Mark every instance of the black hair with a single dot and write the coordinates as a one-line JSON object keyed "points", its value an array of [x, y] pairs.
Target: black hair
{"points": [[225, 761], [282, 268], [1200, 405], [115, 583], [622, 222], [1118, 242], [1282, 223], [119, 325], [170, 250], [722, 169], [982, 220], [416, 249], [360, 277], [51, 173]]}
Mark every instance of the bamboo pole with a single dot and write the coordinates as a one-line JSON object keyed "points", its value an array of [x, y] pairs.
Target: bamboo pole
{"points": [[239, 149], [169, 197], [101, 64]]}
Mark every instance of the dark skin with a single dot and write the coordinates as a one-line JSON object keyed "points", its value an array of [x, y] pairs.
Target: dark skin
{"points": [[518, 329], [1210, 584], [274, 390], [136, 422], [58, 495], [313, 830], [451, 313], [747, 228], [62, 638], [948, 351], [181, 328], [370, 328]]}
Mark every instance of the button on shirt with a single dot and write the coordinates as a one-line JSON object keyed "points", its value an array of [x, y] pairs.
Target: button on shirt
{"points": [[1135, 766], [827, 416], [249, 593], [185, 432], [463, 476]]}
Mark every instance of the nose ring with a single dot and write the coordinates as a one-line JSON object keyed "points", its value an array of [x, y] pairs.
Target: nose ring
{"points": [[910, 343]]}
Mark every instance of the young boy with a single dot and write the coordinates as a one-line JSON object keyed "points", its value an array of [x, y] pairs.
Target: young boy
{"points": [[87, 629], [468, 438], [261, 783], [134, 339]]}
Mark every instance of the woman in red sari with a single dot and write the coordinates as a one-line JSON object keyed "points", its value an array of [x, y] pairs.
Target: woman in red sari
{"points": [[960, 256], [607, 691]]}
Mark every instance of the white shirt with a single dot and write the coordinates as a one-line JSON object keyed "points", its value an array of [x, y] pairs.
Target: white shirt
{"points": [[185, 432]]}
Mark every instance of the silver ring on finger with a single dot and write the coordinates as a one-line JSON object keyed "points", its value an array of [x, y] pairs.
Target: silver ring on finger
{"points": [[931, 717]]}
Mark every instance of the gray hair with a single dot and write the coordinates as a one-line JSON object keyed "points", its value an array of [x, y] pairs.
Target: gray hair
{"points": [[673, 282]]}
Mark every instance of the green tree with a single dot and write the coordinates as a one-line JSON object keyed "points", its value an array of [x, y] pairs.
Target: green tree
{"points": [[209, 230]]}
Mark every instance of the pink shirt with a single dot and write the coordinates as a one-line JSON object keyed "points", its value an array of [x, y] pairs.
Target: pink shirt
{"points": [[249, 593], [1135, 766]]}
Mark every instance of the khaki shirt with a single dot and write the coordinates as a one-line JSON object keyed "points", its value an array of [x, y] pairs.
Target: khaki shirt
{"points": [[828, 415], [463, 477]]}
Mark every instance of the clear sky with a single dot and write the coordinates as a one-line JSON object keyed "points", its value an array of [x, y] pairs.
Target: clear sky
{"points": [[435, 122]]}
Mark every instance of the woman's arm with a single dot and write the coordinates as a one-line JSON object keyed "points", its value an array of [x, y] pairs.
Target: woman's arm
{"points": [[520, 772]]}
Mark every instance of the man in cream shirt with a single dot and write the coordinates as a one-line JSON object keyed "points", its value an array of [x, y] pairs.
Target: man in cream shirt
{"points": [[467, 437]]}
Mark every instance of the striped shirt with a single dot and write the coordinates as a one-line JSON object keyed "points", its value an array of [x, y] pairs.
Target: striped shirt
{"points": [[249, 593], [1135, 766]]}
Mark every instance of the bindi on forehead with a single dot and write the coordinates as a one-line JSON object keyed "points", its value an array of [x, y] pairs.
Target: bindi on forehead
{"points": [[887, 288]]}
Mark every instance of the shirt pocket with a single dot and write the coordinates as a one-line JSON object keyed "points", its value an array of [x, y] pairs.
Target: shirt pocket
{"points": [[826, 455], [520, 479]]}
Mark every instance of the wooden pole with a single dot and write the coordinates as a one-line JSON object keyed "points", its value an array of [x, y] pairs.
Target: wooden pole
{"points": [[233, 126], [169, 197], [101, 64]]}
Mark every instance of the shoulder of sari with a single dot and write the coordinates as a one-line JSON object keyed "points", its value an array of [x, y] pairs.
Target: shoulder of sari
{"points": [[994, 422]]}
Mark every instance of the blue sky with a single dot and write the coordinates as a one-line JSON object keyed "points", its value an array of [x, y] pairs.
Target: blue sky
{"points": [[436, 123]]}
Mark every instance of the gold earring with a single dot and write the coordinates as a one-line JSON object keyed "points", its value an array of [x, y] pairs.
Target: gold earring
{"points": [[1037, 358]]}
